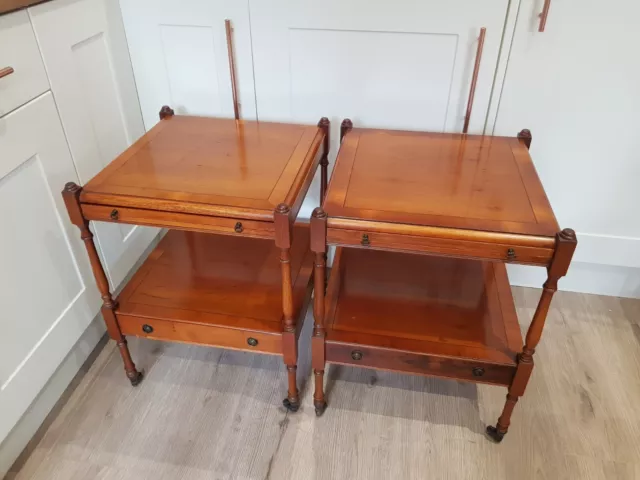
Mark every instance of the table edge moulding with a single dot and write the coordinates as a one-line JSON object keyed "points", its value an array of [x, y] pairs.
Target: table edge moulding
{"points": [[123, 316], [497, 356]]}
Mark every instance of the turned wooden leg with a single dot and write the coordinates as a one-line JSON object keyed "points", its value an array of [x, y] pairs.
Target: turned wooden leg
{"points": [[324, 161], [565, 246], [71, 195], [289, 338], [319, 247]]}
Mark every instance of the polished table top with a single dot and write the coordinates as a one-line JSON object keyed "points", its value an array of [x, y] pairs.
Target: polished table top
{"points": [[205, 165], [439, 180]]}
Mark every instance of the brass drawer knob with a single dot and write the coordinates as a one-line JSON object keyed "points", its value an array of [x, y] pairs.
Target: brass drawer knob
{"points": [[365, 240], [478, 372], [147, 328], [511, 254], [114, 214], [356, 355], [252, 341], [238, 228]]}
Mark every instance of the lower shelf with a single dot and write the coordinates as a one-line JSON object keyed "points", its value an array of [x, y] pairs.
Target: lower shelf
{"points": [[422, 314], [216, 290]]}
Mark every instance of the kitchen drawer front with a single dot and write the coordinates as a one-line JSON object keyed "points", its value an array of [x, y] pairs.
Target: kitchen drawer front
{"points": [[180, 221], [440, 246], [422, 364], [199, 334], [19, 50]]}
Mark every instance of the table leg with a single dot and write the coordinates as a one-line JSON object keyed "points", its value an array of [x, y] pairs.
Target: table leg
{"points": [[71, 195], [318, 246], [565, 246]]}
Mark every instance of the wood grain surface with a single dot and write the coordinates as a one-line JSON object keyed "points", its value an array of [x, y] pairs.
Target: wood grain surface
{"points": [[205, 413]]}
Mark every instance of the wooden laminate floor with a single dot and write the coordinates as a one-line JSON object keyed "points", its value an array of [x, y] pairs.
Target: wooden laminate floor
{"points": [[205, 413]]}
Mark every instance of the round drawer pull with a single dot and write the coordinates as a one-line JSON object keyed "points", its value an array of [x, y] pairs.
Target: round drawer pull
{"points": [[478, 372], [238, 228], [114, 214], [511, 254], [147, 328], [252, 341], [365, 242], [356, 355]]}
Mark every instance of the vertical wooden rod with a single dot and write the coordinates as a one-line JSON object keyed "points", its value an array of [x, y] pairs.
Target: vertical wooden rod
{"points": [[474, 80], [544, 15], [232, 68]]}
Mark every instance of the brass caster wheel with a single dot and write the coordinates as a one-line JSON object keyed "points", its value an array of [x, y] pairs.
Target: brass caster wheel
{"points": [[291, 406], [320, 408], [137, 379], [494, 434]]}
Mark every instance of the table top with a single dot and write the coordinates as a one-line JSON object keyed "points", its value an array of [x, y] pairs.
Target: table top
{"points": [[211, 166], [439, 180]]}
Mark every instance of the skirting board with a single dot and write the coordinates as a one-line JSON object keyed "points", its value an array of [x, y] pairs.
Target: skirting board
{"points": [[33, 418]]}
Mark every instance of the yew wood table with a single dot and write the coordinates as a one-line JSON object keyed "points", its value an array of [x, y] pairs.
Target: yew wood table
{"points": [[468, 204], [234, 271]]}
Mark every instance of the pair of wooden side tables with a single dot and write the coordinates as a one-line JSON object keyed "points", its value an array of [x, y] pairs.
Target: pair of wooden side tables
{"points": [[423, 224]]}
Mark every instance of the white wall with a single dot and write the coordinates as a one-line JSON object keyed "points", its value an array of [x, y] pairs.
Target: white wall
{"points": [[576, 87]]}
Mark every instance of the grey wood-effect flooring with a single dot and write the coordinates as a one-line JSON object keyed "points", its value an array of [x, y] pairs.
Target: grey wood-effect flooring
{"points": [[204, 413]]}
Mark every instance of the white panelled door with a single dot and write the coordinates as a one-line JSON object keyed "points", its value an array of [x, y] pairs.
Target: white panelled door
{"points": [[85, 54], [46, 288], [179, 55], [406, 64]]}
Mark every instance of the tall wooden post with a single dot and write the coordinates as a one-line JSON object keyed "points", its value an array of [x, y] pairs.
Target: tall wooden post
{"points": [[283, 228], [319, 247], [71, 196], [566, 243]]}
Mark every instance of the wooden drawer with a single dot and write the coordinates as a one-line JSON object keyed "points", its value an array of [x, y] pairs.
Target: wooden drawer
{"points": [[180, 221], [19, 50], [200, 334], [410, 362], [440, 246]]}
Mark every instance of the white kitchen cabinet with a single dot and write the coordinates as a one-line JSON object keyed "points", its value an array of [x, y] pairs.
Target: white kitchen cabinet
{"points": [[403, 64], [47, 295], [85, 53], [575, 86], [19, 50], [179, 54]]}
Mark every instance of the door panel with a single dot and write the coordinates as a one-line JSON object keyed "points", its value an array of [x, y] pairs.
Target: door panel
{"points": [[47, 294], [179, 55], [85, 54], [406, 64]]}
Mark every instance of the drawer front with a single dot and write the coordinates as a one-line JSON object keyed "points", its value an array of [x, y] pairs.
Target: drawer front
{"points": [[213, 336], [440, 246], [407, 362], [183, 221], [19, 51]]}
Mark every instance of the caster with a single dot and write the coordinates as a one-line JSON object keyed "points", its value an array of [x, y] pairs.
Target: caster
{"points": [[136, 379], [494, 434], [320, 408], [291, 406]]}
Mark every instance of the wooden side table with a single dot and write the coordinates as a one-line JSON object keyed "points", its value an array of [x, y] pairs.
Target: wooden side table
{"points": [[469, 204], [234, 271]]}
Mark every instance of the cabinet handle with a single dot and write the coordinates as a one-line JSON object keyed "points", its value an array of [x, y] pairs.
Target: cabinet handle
{"points": [[6, 71], [238, 228], [356, 355], [474, 80], [478, 371], [544, 15], [232, 68], [365, 242], [147, 328], [511, 255], [252, 341], [114, 214]]}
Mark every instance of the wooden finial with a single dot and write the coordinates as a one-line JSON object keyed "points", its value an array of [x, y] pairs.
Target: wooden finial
{"points": [[166, 111], [525, 136], [345, 126], [324, 123], [283, 209], [318, 212]]}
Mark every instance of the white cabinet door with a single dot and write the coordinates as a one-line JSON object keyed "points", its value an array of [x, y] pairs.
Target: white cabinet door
{"points": [[405, 64], [576, 87], [85, 54], [47, 294], [179, 56], [19, 50]]}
